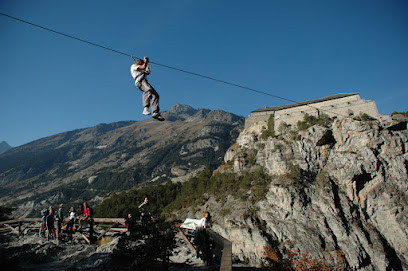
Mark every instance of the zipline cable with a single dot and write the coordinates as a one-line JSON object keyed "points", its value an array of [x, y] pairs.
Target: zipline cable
{"points": [[129, 55], [165, 66], [63, 34]]}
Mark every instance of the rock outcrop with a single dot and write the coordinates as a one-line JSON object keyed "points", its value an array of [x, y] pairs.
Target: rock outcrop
{"points": [[335, 190]]}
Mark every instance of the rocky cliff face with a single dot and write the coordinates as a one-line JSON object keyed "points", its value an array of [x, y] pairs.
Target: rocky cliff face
{"points": [[340, 189]]}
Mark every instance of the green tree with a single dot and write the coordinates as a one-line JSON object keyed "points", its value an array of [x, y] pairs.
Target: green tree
{"points": [[5, 213], [309, 121], [270, 131], [283, 127], [146, 248]]}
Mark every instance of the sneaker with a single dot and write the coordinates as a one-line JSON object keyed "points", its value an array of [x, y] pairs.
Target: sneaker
{"points": [[158, 116], [146, 111]]}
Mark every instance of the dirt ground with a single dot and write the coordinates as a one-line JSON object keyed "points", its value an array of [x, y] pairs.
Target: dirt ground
{"points": [[34, 252]]}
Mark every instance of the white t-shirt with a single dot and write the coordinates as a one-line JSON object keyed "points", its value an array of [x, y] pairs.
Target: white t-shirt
{"points": [[137, 75], [72, 215], [203, 223]]}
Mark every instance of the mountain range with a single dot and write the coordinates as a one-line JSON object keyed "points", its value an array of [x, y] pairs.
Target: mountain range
{"points": [[82, 164]]}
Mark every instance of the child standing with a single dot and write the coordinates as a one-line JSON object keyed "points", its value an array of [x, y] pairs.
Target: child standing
{"points": [[71, 220]]}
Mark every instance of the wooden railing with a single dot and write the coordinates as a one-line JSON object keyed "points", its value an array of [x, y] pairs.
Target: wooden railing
{"points": [[17, 226], [223, 247], [36, 219]]}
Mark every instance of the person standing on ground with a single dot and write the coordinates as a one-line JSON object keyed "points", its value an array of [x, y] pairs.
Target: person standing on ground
{"points": [[145, 211], [130, 223], [60, 219], [150, 97], [43, 227], [49, 221], [202, 239], [71, 221], [203, 224]]}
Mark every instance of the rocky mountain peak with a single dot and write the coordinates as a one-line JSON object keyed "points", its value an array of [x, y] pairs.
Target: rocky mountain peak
{"points": [[182, 109], [222, 116]]}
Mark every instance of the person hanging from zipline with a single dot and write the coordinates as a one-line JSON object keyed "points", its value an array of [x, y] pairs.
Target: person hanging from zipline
{"points": [[139, 70]]}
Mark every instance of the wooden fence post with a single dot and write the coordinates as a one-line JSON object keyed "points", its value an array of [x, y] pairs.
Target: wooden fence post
{"points": [[19, 228], [226, 258], [91, 231]]}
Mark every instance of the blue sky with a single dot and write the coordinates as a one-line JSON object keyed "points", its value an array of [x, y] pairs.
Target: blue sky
{"points": [[299, 50]]}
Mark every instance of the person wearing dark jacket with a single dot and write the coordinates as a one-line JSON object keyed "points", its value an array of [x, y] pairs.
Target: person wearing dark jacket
{"points": [[49, 222]]}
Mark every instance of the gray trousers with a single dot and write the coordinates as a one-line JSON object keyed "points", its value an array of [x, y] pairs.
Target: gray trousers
{"points": [[150, 96]]}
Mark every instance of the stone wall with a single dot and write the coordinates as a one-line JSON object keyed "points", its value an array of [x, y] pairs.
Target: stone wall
{"points": [[336, 108]]}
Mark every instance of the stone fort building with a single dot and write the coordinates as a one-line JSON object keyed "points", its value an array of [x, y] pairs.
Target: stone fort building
{"points": [[339, 106]]}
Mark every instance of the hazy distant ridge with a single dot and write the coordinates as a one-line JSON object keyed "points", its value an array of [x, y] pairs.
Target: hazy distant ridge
{"points": [[4, 146]]}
